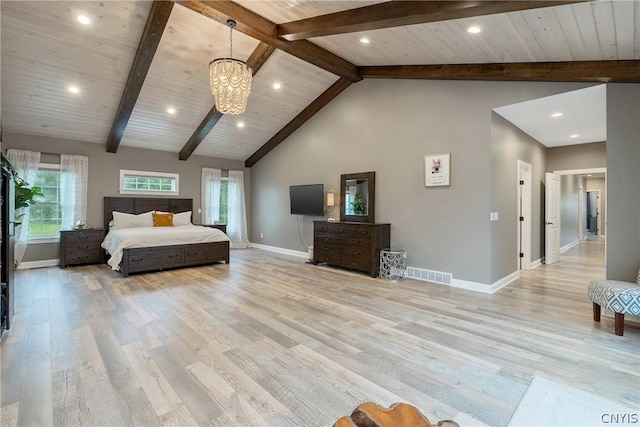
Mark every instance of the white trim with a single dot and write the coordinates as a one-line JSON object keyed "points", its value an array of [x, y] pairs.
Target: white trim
{"points": [[471, 286], [569, 246], [48, 166], [524, 194], [280, 250], [537, 263], [149, 174], [38, 264], [43, 240], [581, 171]]}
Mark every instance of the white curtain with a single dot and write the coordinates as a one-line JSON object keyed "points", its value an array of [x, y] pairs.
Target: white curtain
{"points": [[237, 215], [74, 179], [25, 164], [210, 186]]}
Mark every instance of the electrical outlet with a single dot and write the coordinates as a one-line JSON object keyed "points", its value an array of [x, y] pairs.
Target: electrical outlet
{"points": [[493, 216], [199, 210], [261, 235]]}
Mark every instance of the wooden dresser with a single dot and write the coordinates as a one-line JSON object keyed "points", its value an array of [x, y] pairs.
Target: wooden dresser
{"points": [[81, 247], [354, 245]]}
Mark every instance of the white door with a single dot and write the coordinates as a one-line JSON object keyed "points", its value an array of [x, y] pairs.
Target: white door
{"points": [[552, 218]]}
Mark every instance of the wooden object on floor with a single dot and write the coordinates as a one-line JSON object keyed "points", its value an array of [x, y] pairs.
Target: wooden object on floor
{"points": [[138, 260], [81, 247], [399, 414], [354, 245]]}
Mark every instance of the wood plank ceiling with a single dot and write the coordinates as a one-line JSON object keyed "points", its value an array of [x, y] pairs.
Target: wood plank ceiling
{"points": [[312, 49]]}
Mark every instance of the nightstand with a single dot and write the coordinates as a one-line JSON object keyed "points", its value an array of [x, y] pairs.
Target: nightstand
{"points": [[221, 227], [81, 247]]}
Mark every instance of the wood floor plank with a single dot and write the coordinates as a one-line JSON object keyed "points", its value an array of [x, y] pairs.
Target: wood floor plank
{"points": [[269, 340]]}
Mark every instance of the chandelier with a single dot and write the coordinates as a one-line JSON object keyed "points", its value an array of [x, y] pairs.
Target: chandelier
{"points": [[230, 80]]}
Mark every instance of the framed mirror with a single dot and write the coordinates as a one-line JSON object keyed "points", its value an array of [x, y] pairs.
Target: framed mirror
{"points": [[357, 197]]}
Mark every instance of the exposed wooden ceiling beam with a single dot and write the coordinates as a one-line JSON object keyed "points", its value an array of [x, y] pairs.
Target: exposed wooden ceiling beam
{"points": [[326, 97], [262, 29], [399, 13], [156, 22], [257, 59], [571, 71]]}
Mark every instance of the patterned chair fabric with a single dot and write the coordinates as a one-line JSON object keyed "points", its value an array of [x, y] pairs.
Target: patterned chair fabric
{"points": [[619, 297]]}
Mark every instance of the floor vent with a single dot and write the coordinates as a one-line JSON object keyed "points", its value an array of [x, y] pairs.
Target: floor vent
{"points": [[429, 275]]}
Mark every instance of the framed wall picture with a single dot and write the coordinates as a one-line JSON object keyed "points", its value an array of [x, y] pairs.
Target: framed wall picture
{"points": [[437, 170]]}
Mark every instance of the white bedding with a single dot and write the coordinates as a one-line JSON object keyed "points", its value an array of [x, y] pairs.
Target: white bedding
{"points": [[143, 237]]}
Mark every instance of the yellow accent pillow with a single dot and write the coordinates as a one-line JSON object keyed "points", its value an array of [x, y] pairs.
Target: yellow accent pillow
{"points": [[162, 220]]}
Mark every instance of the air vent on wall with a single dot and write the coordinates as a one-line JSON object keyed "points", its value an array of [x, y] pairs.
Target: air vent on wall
{"points": [[429, 275]]}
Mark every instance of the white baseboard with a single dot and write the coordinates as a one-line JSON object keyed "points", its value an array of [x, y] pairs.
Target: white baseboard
{"points": [[569, 246], [535, 264], [495, 286], [38, 264], [471, 286], [280, 250]]}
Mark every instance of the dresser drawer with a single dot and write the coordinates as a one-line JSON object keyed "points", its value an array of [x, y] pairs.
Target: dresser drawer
{"points": [[327, 239], [82, 236], [326, 253], [356, 258], [341, 229], [91, 255], [202, 253], [153, 257]]}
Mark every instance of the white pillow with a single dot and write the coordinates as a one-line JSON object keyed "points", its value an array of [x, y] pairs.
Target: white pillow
{"points": [[182, 218], [125, 220]]}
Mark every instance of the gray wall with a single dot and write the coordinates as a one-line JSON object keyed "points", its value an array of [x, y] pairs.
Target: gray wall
{"points": [[580, 156], [569, 188], [104, 174], [387, 126], [600, 184], [623, 181], [510, 144]]}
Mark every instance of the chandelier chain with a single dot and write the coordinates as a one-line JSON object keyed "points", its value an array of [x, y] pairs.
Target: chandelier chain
{"points": [[231, 25]]}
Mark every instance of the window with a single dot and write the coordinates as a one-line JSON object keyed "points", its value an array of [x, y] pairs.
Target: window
{"points": [[45, 216], [224, 200], [141, 182]]}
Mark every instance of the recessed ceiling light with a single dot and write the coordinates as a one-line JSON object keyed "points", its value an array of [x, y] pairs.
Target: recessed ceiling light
{"points": [[364, 40], [575, 135], [589, 174], [74, 89], [84, 20], [473, 30], [555, 115], [240, 124], [171, 110], [277, 85]]}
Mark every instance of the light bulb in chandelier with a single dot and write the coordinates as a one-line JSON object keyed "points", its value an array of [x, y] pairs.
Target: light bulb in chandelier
{"points": [[230, 80]]}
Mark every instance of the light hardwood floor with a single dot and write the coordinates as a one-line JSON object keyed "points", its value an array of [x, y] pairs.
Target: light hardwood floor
{"points": [[269, 340]]}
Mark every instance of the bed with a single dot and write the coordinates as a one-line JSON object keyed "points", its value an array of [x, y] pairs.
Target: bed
{"points": [[152, 258]]}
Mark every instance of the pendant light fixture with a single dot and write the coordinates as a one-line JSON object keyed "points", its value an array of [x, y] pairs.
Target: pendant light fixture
{"points": [[230, 80]]}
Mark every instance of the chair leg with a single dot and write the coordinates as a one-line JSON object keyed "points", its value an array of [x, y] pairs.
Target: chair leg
{"points": [[596, 312], [619, 324]]}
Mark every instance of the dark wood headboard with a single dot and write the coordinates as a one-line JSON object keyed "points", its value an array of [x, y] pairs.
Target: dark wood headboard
{"points": [[138, 205]]}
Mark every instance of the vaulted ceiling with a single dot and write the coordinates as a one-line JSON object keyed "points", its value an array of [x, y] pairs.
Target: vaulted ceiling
{"points": [[137, 59]]}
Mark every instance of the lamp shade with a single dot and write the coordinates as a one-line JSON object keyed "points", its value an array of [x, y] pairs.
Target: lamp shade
{"points": [[331, 198]]}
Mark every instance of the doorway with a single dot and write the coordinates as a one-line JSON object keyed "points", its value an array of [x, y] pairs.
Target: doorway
{"points": [[593, 213]]}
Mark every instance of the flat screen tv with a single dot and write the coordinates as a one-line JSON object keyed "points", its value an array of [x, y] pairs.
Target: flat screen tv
{"points": [[307, 199]]}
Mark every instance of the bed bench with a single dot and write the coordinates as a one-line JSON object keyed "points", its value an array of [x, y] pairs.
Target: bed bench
{"points": [[620, 297]]}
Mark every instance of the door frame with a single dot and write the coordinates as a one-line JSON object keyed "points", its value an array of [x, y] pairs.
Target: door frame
{"points": [[582, 206], [524, 202]]}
